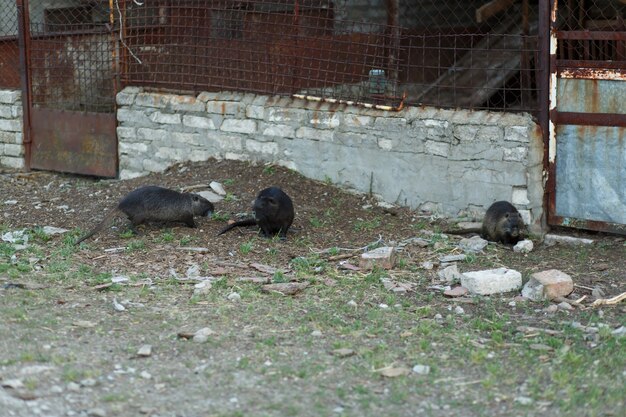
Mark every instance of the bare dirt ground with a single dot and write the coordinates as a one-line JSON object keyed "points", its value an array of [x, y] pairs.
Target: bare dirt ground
{"points": [[74, 318]]}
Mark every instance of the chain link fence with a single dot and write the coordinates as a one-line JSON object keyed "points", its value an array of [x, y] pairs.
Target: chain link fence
{"points": [[9, 50]]}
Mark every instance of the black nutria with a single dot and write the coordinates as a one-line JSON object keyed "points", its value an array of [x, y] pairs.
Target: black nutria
{"points": [[157, 204], [502, 223], [273, 213]]}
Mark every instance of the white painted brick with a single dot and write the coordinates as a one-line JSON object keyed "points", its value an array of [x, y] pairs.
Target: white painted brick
{"points": [[133, 148], [198, 122], [255, 112], [8, 137], [315, 134], [156, 100], [132, 116], [155, 135], [5, 111], [12, 162], [230, 143], [155, 166], [282, 131], [11, 125], [9, 96], [13, 150], [526, 216], [125, 132], [517, 133], [278, 115], [223, 107], [194, 139], [520, 197], [437, 148], [355, 120], [262, 147], [385, 144], [165, 118], [125, 98], [492, 281], [239, 126], [325, 120], [186, 103], [517, 154], [19, 138], [127, 174]]}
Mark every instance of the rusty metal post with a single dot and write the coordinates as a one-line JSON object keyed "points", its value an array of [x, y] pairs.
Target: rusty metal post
{"points": [[23, 24], [393, 23]]}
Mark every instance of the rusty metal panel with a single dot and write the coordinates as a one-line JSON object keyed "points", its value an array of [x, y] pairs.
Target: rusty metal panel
{"points": [[591, 96], [591, 173], [75, 142]]}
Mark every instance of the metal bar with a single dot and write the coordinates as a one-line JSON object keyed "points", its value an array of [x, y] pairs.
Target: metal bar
{"points": [[587, 224], [588, 35], [588, 119], [24, 53], [547, 22], [579, 63], [592, 74]]}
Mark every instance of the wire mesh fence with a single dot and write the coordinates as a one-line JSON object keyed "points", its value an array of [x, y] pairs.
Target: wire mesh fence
{"points": [[471, 54], [9, 51], [444, 53]]}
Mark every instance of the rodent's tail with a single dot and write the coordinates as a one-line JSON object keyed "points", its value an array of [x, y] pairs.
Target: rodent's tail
{"points": [[107, 220], [245, 222], [463, 231]]}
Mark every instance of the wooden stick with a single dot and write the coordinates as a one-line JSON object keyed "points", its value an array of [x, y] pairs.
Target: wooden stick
{"points": [[609, 301]]}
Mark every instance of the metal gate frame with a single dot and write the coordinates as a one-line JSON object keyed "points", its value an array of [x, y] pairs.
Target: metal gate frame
{"points": [[75, 141], [576, 69]]}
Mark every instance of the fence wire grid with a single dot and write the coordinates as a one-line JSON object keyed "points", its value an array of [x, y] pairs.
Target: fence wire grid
{"points": [[475, 54]]}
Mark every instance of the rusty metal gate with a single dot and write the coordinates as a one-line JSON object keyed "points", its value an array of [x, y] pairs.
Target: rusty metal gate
{"points": [[587, 143], [67, 51]]}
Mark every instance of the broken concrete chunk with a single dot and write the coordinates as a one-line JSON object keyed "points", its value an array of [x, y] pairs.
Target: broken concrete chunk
{"points": [[551, 239], [492, 281], [523, 246], [547, 285], [450, 274], [381, 257], [473, 244]]}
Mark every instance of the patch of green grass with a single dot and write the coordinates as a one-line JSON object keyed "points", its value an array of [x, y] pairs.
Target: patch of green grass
{"points": [[279, 277], [167, 236], [246, 247], [315, 222], [220, 216], [367, 225], [269, 170], [229, 197], [127, 234], [135, 245]]}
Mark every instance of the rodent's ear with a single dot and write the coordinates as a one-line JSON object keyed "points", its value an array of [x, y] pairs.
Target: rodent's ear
{"points": [[195, 197], [507, 215], [271, 200]]}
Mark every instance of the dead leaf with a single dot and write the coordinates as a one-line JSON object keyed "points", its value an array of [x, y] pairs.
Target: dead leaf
{"points": [[348, 266], [84, 323], [456, 292], [343, 352]]}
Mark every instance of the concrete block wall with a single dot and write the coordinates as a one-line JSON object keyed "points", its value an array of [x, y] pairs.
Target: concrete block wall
{"points": [[11, 128], [451, 162]]}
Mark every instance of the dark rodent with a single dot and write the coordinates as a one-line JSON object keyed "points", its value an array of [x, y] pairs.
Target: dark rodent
{"points": [[503, 223], [273, 213], [157, 204]]}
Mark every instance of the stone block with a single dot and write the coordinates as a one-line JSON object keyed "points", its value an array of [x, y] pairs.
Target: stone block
{"points": [[199, 122], [8, 137], [465, 133], [10, 96], [286, 116], [125, 98], [172, 154], [323, 120], [133, 117], [523, 246], [155, 100], [437, 148], [227, 143], [225, 108], [10, 125], [517, 134], [547, 285], [194, 139], [198, 155], [239, 126], [283, 131], [254, 146], [153, 165], [13, 150], [165, 118], [551, 239], [315, 134], [186, 103], [492, 281], [152, 135], [490, 133], [381, 257], [12, 162], [473, 244], [255, 112], [520, 197], [356, 121], [128, 174], [5, 111], [526, 216], [388, 124], [125, 132], [133, 148], [517, 154]]}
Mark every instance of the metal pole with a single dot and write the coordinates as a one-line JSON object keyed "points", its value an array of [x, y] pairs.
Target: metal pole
{"points": [[23, 24]]}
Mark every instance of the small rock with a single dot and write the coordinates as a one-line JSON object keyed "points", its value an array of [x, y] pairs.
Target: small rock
{"points": [[381, 257], [96, 412], [10, 202], [550, 240], [552, 308], [285, 288], [202, 335], [619, 332], [351, 303], [450, 274], [438, 316], [234, 296], [453, 258], [383, 306], [394, 372], [12, 383], [523, 246], [421, 369], [492, 281], [211, 196], [117, 306], [524, 400], [202, 288], [540, 346], [456, 292], [316, 333], [51, 230], [88, 382], [547, 285], [343, 352], [565, 306], [473, 244], [73, 387], [459, 310], [145, 351], [217, 187], [427, 265], [145, 375]]}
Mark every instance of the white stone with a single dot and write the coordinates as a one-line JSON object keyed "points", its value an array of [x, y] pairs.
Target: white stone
{"points": [[315, 134], [285, 115], [227, 143], [172, 154], [517, 154], [202, 335], [523, 246], [450, 274], [125, 132], [234, 297], [9, 96], [11, 162], [155, 166], [165, 118], [198, 122], [355, 120], [473, 244], [551, 239], [382, 257], [421, 369], [492, 281], [255, 112], [385, 144], [132, 117], [5, 112], [211, 196], [11, 125], [325, 120], [125, 98], [257, 147], [516, 133], [13, 150], [156, 100], [282, 131], [526, 216], [223, 107], [437, 148], [520, 197], [180, 103], [217, 187], [547, 285], [239, 126], [157, 135], [133, 148]]}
